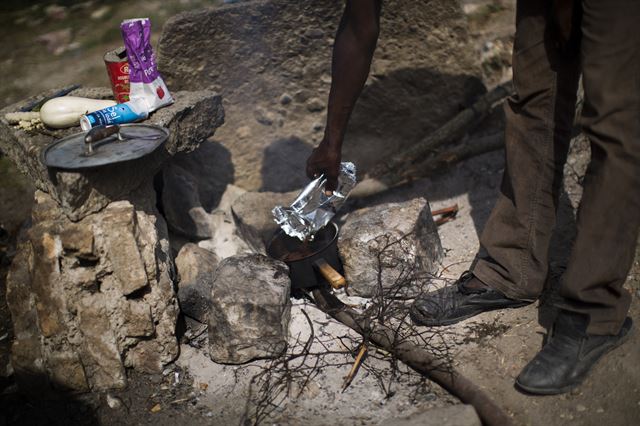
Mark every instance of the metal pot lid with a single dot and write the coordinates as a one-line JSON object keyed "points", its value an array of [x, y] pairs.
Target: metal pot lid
{"points": [[104, 145]]}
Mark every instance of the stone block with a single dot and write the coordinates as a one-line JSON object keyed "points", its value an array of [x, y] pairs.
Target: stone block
{"points": [[99, 352], [79, 240], [400, 240], [66, 371], [195, 267], [138, 321], [117, 228], [250, 309]]}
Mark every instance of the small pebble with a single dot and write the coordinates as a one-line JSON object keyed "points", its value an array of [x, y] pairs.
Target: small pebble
{"points": [[264, 117], [600, 410], [315, 105], [285, 99], [580, 408], [314, 33], [113, 401], [301, 95], [243, 132]]}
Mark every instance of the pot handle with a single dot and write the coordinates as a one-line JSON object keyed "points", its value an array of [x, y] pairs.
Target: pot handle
{"points": [[334, 278]]}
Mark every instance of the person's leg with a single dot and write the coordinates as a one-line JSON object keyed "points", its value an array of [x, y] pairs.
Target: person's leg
{"points": [[592, 319], [609, 214], [539, 119], [517, 234]]}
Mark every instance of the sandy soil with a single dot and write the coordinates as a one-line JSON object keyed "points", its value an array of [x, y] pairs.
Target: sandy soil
{"points": [[490, 349]]}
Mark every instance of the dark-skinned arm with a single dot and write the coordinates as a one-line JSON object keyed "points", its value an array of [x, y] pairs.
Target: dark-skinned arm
{"points": [[352, 53]]}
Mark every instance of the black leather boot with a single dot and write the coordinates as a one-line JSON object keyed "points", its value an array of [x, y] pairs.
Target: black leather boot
{"points": [[568, 356], [462, 300]]}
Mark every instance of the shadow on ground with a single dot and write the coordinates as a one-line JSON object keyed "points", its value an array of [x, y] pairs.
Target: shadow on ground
{"points": [[35, 405]]}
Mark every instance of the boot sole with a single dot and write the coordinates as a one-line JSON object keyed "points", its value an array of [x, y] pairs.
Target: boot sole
{"points": [[567, 388]]}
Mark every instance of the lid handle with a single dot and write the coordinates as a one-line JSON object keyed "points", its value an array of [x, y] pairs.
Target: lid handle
{"points": [[99, 133]]}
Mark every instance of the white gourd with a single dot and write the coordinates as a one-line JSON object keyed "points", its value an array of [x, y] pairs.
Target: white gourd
{"points": [[65, 111]]}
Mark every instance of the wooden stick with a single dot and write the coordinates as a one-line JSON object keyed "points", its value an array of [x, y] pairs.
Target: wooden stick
{"points": [[355, 367], [446, 210], [415, 357]]}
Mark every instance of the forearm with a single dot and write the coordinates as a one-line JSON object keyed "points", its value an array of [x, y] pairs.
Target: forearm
{"points": [[352, 53]]}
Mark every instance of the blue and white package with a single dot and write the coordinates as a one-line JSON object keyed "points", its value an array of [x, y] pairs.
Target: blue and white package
{"points": [[127, 112]]}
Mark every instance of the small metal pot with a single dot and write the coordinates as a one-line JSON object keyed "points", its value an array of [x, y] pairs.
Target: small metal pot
{"points": [[311, 264]]}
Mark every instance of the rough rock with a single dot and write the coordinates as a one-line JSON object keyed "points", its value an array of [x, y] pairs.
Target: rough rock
{"points": [[250, 309], [252, 215], [400, 240], [195, 267], [191, 119], [192, 187], [456, 415], [92, 297], [258, 50]]}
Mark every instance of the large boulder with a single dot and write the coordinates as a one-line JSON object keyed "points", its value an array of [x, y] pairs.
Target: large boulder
{"points": [[250, 309], [390, 246], [271, 60], [195, 267]]}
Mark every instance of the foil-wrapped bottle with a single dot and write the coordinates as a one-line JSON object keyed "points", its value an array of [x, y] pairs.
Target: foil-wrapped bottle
{"points": [[313, 209]]}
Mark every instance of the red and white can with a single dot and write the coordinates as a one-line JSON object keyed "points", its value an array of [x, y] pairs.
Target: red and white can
{"points": [[118, 70]]}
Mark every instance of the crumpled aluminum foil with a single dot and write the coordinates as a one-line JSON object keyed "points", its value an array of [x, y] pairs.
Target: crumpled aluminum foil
{"points": [[312, 209]]}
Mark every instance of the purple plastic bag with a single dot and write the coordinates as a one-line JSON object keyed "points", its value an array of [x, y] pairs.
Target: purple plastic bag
{"points": [[146, 82]]}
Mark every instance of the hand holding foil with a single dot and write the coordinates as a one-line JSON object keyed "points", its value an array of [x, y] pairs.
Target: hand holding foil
{"points": [[313, 209]]}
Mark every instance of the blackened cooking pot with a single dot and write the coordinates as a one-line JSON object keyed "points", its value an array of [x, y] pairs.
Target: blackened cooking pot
{"points": [[311, 263]]}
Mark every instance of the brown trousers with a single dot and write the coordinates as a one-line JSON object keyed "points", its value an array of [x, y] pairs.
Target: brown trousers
{"points": [[539, 120]]}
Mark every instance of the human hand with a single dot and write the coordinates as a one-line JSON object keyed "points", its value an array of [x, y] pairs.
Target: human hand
{"points": [[325, 159]]}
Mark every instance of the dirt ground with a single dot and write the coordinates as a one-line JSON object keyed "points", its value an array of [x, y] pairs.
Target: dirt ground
{"points": [[490, 349]]}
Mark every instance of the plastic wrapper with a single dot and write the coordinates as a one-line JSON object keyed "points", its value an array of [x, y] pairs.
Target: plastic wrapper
{"points": [[145, 82], [313, 209]]}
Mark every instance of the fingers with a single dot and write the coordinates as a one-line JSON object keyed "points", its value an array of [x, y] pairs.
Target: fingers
{"points": [[332, 181], [327, 163]]}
